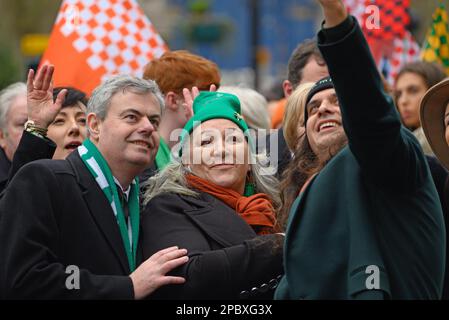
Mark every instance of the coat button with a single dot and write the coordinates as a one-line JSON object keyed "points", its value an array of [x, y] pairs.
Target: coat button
{"points": [[264, 288], [273, 283], [254, 291], [244, 294]]}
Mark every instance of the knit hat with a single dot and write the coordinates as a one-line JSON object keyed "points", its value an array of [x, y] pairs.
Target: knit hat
{"points": [[320, 85], [214, 105]]}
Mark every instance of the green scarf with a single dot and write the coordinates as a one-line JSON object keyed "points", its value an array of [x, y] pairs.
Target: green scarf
{"points": [[100, 170], [163, 156]]}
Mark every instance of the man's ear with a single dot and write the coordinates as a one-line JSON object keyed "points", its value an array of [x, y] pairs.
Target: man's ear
{"points": [[288, 88], [2, 139], [170, 101], [93, 126]]}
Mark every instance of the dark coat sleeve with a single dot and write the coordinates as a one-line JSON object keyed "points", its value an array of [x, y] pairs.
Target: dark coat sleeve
{"points": [[31, 148], [386, 151], [30, 265], [213, 271]]}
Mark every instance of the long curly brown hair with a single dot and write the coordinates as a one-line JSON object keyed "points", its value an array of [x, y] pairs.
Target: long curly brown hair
{"points": [[304, 164]]}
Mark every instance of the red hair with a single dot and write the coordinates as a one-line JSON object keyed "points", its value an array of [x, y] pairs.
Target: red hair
{"points": [[176, 70]]}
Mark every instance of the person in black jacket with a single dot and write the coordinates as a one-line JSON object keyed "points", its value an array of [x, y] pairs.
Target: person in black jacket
{"points": [[13, 115], [76, 234], [219, 206]]}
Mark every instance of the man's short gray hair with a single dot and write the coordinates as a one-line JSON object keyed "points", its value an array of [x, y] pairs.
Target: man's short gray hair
{"points": [[7, 97], [101, 97]]}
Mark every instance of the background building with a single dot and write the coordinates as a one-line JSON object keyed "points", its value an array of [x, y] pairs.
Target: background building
{"points": [[246, 38]]}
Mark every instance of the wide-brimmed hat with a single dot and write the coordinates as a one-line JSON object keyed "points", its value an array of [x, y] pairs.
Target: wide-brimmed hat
{"points": [[432, 109]]}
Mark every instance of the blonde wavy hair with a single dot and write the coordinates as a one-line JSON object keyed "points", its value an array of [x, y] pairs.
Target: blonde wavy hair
{"points": [[294, 115]]}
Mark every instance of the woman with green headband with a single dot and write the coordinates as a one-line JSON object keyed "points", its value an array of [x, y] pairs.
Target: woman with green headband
{"points": [[216, 202]]}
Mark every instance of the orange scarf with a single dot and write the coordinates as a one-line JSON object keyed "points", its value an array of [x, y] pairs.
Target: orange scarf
{"points": [[257, 210]]}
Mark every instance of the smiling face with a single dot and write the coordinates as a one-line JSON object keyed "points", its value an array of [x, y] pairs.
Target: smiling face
{"points": [[409, 90], [218, 153], [127, 137], [324, 125], [68, 130]]}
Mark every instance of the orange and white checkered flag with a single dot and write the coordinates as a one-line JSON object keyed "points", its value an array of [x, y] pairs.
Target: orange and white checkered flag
{"points": [[93, 39]]}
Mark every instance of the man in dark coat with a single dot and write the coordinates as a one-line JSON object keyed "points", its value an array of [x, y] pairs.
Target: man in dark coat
{"points": [[69, 229], [368, 224]]}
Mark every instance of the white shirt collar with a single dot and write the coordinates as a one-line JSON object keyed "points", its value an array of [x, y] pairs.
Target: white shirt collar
{"points": [[125, 192]]}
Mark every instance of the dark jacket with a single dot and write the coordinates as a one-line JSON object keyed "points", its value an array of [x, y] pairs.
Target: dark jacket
{"points": [[226, 258], [55, 215], [446, 212], [5, 165], [147, 174], [373, 210], [440, 178], [31, 148]]}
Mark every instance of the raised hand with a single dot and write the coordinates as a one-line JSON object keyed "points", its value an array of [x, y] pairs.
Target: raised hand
{"points": [[151, 274], [41, 108], [189, 96], [334, 12]]}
